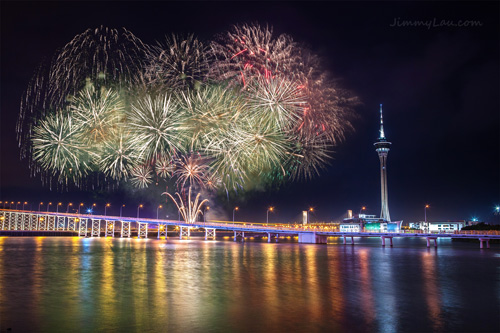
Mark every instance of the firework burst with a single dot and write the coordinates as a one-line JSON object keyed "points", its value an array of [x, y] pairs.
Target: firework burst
{"points": [[249, 50], [255, 107], [179, 63], [142, 176], [58, 146], [191, 169], [154, 123]]}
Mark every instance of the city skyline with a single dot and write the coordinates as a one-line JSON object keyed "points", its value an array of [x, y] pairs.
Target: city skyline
{"points": [[439, 88]]}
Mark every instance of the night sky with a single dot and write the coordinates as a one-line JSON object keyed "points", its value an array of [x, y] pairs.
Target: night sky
{"points": [[439, 86]]}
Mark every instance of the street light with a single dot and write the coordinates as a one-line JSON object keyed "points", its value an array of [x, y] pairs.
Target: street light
{"points": [[18, 203], [81, 205], [49, 204], [121, 209], [24, 203], [425, 217], [362, 209], [59, 204], [270, 209], [11, 203], [41, 203], [308, 213], [67, 207], [235, 209], [205, 214], [105, 207], [159, 207], [140, 206]]}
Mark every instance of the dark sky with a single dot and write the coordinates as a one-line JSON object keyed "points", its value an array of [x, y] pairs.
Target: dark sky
{"points": [[439, 86]]}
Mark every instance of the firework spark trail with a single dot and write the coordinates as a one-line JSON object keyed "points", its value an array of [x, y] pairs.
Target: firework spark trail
{"points": [[191, 212]]}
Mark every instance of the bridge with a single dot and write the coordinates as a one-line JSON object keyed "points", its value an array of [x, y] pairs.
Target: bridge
{"points": [[92, 226]]}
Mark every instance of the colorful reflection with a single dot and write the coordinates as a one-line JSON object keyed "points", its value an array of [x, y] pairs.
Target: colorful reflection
{"points": [[59, 284]]}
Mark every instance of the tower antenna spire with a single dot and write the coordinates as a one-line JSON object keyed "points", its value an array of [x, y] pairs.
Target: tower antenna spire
{"points": [[382, 134]]}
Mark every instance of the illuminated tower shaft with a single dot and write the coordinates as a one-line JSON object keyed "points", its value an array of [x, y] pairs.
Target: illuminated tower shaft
{"points": [[382, 147]]}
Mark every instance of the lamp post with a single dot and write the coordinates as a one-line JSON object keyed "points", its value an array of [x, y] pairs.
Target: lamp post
{"points": [[425, 217], [105, 209], [362, 209], [205, 214], [58, 204], [121, 209], [49, 204], [18, 203], [159, 207], [138, 207], [270, 209], [234, 210], [24, 203], [67, 207], [81, 205], [308, 213], [41, 203], [11, 203]]}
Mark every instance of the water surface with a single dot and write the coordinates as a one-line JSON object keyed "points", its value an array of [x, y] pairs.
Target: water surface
{"points": [[64, 284]]}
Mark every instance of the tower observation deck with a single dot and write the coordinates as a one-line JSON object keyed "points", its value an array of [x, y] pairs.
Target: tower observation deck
{"points": [[382, 146]]}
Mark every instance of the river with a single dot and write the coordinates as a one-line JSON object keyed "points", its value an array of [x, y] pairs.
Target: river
{"points": [[70, 284]]}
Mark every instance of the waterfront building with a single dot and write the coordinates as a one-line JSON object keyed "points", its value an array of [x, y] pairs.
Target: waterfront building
{"points": [[444, 226]]}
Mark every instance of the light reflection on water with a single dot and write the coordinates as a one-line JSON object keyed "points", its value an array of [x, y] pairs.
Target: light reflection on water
{"points": [[63, 284]]}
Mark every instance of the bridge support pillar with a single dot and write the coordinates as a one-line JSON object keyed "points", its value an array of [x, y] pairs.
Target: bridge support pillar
{"points": [[429, 243], [312, 238], [51, 222], [82, 230], [19, 221], [110, 229], [240, 234], [96, 228], [209, 233], [185, 232], [277, 238], [162, 231], [2, 220], [481, 240], [33, 221], [72, 221], [142, 230], [125, 230], [345, 241], [27, 221], [269, 237], [61, 223], [383, 240]]}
